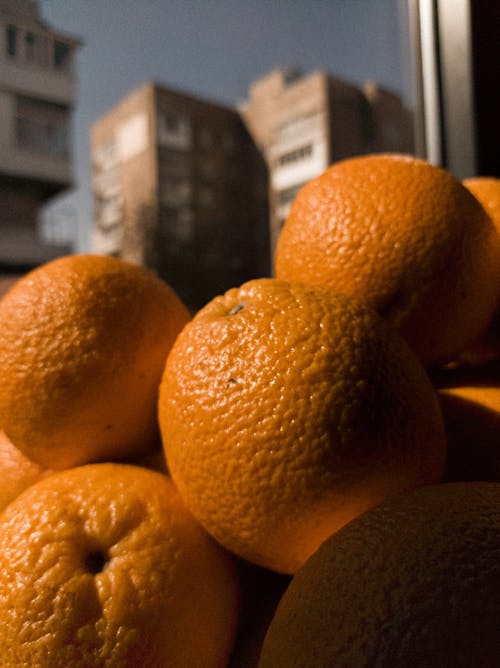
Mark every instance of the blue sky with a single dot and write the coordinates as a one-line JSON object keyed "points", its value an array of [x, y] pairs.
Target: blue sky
{"points": [[215, 49]]}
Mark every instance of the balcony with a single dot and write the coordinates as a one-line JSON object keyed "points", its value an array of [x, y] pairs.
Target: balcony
{"points": [[34, 143], [36, 61], [48, 84]]}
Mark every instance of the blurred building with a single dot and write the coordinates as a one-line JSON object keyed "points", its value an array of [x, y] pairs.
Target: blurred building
{"points": [[37, 95], [303, 124], [199, 192], [180, 187]]}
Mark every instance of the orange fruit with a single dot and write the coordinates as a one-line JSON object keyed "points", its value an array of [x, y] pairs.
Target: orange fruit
{"points": [[470, 403], [286, 410], [486, 189], [406, 237], [102, 565], [414, 582], [83, 343], [16, 471], [487, 347]]}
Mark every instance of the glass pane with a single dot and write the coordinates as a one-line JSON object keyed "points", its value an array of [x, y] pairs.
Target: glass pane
{"points": [[11, 37]]}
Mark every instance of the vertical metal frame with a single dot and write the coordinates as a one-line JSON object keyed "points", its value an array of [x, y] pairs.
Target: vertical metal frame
{"points": [[445, 124]]}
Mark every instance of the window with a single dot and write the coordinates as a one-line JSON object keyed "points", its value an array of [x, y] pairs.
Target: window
{"points": [[207, 167], [172, 121], [11, 40], [288, 195], [57, 226], [30, 46], [206, 139], [295, 155], [176, 192], [110, 212], [37, 48], [310, 124], [174, 129], [206, 196], [61, 55], [228, 142], [42, 127], [105, 182], [184, 228], [104, 157]]}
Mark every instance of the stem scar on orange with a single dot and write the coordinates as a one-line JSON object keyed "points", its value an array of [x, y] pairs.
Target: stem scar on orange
{"points": [[286, 410]]}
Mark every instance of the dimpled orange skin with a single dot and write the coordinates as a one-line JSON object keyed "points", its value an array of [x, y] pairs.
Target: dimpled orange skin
{"points": [[486, 189], [83, 343], [405, 236], [285, 411], [17, 472], [414, 582], [102, 565], [487, 347]]}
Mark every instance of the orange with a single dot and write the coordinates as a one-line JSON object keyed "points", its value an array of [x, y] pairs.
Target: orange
{"points": [[83, 343], [486, 189], [102, 565], [286, 410], [16, 471], [406, 237], [414, 582], [487, 347], [470, 403]]}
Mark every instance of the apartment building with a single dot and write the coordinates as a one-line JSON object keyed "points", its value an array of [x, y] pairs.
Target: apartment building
{"points": [[180, 187], [37, 96], [302, 124], [199, 192]]}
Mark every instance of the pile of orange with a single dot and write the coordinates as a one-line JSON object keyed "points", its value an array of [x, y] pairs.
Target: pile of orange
{"points": [[304, 473]]}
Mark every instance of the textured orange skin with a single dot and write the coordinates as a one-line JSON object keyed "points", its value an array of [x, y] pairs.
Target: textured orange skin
{"points": [[486, 189], [413, 582], [487, 347], [285, 411], [17, 472], [167, 595], [83, 343], [405, 236]]}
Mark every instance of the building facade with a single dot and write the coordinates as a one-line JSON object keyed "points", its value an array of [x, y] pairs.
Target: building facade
{"points": [[37, 96], [180, 187], [303, 124], [199, 192]]}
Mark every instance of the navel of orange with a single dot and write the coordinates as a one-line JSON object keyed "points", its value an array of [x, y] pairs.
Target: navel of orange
{"points": [[286, 410], [102, 565]]}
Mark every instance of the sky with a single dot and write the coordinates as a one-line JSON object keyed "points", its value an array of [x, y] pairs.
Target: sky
{"points": [[215, 49]]}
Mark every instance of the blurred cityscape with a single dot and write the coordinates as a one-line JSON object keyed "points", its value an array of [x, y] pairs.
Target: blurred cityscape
{"points": [[192, 189]]}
